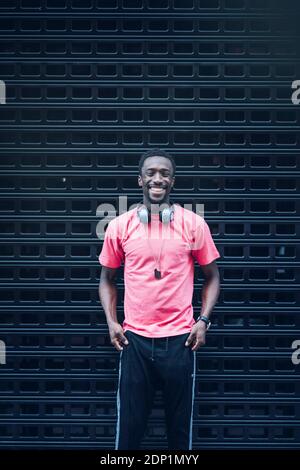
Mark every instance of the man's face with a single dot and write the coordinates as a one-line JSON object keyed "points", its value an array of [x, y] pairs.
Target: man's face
{"points": [[157, 179]]}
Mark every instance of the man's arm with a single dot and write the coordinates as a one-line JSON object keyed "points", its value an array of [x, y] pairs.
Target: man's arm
{"points": [[209, 296], [108, 299], [210, 289]]}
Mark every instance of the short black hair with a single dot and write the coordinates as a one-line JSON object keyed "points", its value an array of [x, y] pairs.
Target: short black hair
{"points": [[156, 153]]}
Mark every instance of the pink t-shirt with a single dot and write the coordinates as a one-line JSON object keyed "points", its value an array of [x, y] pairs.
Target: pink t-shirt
{"points": [[158, 307]]}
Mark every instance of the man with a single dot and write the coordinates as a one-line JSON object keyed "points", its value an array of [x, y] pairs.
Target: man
{"points": [[159, 337]]}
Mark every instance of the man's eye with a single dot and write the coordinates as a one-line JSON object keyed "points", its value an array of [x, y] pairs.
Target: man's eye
{"points": [[150, 173]]}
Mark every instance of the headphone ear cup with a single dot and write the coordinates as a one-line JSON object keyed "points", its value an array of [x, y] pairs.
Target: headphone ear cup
{"points": [[166, 215], [143, 215]]}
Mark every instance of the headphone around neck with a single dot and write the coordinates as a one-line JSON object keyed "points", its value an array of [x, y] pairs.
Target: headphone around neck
{"points": [[165, 216]]}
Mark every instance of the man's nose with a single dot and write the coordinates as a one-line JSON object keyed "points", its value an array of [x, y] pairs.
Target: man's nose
{"points": [[157, 178]]}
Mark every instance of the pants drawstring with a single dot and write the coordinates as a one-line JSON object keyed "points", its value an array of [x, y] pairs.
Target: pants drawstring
{"points": [[152, 350]]}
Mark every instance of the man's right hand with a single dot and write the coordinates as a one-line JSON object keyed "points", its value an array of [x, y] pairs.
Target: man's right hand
{"points": [[117, 337]]}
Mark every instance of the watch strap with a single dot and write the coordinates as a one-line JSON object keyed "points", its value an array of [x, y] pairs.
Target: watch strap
{"points": [[205, 319]]}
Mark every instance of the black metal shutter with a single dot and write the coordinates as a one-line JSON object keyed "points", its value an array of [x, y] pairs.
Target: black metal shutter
{"points": [[90, 85]]}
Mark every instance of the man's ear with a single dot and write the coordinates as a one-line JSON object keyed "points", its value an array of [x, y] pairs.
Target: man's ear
{"points": [[173, 182], [140, 181]]}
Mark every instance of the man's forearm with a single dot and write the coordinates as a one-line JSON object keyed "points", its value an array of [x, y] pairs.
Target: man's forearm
{"points": [[108, 299], [209, 295]]}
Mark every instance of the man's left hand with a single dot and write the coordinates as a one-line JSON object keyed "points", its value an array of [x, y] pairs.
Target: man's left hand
{"points": [[197, 336]]}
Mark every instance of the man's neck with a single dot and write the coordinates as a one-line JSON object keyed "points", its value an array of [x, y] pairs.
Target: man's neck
{"points": [[154, 207]]}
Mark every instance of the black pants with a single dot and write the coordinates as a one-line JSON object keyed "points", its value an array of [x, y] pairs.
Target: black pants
{"points": [[145, 364]]}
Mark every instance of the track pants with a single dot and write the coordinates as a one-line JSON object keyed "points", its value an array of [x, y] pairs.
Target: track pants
{"points": [[145, 364]]}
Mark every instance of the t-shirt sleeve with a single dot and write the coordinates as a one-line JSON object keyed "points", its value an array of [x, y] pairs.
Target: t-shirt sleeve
{"points": [[112, 254], [204, 251]]}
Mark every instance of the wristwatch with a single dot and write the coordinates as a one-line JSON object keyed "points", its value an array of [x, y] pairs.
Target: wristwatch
{"points": [[205, 319]]}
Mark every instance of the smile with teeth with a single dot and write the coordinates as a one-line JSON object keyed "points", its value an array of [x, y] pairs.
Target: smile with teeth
{"points": [[157, 190]]}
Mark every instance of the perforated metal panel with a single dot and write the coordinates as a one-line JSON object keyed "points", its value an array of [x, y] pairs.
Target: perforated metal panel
{"points": [[90, 85]]}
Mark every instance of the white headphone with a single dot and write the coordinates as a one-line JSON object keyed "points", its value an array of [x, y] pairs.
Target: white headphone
{"points": [[165, 216]]}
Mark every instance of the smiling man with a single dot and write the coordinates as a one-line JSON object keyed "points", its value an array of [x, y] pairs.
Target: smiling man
{"points": [[158, 241]]}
